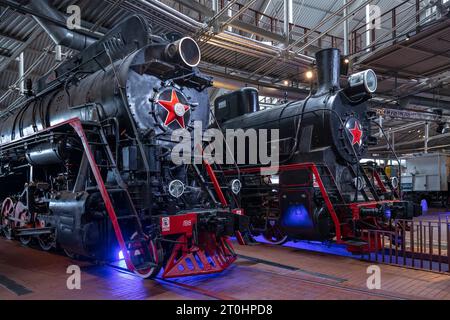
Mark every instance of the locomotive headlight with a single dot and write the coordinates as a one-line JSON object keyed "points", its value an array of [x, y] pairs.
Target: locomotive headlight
{"points": [[361, 84], [176, 188], [394, 182], [359, 183], [236, 186], [370, 81]]}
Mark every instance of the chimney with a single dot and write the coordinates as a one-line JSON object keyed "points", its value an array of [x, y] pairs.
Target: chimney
{"points": [[328, 70]]}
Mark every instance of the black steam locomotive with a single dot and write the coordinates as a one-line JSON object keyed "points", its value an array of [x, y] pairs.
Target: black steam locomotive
{"points": [[85, 160], [318, 190]]}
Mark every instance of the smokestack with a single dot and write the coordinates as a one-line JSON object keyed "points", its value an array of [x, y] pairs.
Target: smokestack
{"points": [[328, 70], [60, 35]]}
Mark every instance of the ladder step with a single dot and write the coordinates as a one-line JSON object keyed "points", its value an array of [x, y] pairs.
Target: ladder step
{"points": [[135, 241], [356, 243], [90, 131], [127, 217], [106, 166], [98, 144], [134, 244]]}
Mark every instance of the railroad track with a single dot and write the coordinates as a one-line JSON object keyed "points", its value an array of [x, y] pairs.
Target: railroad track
{"points": [[251, 272], [207, 293], [271, 275], [321, 283]]}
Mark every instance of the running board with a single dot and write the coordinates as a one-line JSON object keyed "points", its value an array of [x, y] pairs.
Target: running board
{"points": [[33, 231]]}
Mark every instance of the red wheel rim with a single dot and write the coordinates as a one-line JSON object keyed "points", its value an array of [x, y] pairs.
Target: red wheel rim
{"points": [[137, 252]]}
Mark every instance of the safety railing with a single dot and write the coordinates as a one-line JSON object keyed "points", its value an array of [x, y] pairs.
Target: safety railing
{"points": [[268, 24], [419, 244], [276, 26], [408, 17], [398, 23]]}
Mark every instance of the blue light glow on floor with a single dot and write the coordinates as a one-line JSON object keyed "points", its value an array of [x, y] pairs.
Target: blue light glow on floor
{"points": [[316, 246]]}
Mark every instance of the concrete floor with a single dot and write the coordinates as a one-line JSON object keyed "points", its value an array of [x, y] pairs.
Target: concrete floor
{"points": [[261, 272]]}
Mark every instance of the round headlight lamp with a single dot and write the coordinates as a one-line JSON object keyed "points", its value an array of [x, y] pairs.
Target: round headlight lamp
{"points": [[176, 188], [236, 186], [359, 183], [394, 182], [361, 84]]}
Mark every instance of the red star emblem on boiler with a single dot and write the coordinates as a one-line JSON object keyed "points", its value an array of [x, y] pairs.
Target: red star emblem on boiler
{"points": [[356, 134], [175, 110]]}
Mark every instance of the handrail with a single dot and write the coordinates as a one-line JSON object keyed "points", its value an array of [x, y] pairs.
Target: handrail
{"points": [[394, 9], [418, 244], [357, 34], [274, 24]]}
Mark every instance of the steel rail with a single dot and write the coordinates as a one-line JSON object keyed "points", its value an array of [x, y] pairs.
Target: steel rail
{"points": [[183, 286]]}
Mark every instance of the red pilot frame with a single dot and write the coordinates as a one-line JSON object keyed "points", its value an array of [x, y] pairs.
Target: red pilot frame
{"points": [[209, 255]]}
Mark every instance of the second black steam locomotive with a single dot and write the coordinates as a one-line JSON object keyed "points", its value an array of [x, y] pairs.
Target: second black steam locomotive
{"points": [[318, 190], [85, 161]]}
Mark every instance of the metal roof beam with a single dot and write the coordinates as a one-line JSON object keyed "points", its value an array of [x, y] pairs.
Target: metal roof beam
{"points": [[421, 140], [10, 37], [237, 14], [410, 115], [31, 74], [243, 26], [240, 25], [428, 102], [22, 47], [272, 63], [5, 53], [196, 6]]}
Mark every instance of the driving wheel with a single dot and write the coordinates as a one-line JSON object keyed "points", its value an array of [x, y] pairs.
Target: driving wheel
{"points": [[6, 213], [274, 233]]}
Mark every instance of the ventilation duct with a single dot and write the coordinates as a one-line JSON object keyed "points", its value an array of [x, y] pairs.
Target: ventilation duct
{"points": [[60, 35]]}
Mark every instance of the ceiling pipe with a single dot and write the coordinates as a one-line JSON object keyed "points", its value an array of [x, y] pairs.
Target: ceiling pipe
{"points": [[268, 90], [345, 29], [416, 141], [22, 73], [60, 35], [415, 150]]}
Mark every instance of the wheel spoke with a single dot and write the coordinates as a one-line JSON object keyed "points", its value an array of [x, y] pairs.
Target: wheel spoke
{"points": [[138, 257], [274, 233], [25, 240], [46, 242], [7, 210]]}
